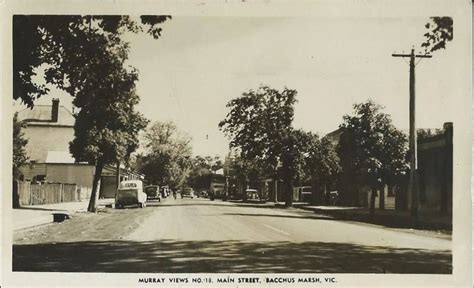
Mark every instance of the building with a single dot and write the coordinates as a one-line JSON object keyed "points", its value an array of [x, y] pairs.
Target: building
{"points": [[49, 130], [435, 173]]}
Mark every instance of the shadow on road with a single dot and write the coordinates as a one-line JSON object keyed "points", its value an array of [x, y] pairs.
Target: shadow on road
{"points": [[309, 216], [221, 204], [169, 256], [178, 204]]}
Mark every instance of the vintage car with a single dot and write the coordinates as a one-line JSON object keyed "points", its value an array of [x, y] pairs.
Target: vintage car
{"points": [[153, 192], [130, 193], [187, 192], [251, 195]]}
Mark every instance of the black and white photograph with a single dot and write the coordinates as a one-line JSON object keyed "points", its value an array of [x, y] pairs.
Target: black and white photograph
{"points": [[226, 147]]}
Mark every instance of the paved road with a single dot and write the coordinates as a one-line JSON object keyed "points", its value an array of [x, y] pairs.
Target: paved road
{"points": [[199, 235]]}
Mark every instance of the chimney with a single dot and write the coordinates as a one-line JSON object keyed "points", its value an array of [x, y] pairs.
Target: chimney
{"points": [[55, 110]]}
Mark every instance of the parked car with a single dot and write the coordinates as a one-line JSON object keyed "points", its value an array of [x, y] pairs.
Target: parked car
{"points": [[130, 193], [153, 192], [203, 194], [187, 192], [251, 195]]}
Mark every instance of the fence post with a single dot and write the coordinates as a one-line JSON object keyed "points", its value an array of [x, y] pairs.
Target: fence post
{"points": [[30, 200]]}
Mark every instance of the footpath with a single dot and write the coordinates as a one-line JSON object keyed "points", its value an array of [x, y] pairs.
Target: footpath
{"points": [[388, 218], [31, 216]]}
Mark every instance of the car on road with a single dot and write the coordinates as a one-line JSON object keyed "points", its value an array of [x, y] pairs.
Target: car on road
{"points": [[203, 194], [187, 192], [153, 192], [130, 192]]}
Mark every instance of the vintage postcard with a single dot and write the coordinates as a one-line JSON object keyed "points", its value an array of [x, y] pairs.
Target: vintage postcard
{"points": [[235, 143]]}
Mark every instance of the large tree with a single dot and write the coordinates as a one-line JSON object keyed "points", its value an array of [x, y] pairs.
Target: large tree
{"points": [[371, 149], [63, 44], [85, 56], [107, 125], [260, 125], [167, 156]]}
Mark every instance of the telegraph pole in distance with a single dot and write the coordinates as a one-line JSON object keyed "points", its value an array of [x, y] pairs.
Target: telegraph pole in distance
{"points": [[412, 187]]}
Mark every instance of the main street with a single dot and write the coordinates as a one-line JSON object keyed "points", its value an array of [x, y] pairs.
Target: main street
{"points": [[199, 235]]}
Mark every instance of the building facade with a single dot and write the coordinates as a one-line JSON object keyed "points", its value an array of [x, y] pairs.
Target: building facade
{"points": [[49, 129]]}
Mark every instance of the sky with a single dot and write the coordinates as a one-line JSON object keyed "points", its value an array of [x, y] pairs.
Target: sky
{"points": [[200, 63]]}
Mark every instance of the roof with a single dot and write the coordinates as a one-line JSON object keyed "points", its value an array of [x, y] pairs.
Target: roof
{"points": [[334, 135], [41, 115]]}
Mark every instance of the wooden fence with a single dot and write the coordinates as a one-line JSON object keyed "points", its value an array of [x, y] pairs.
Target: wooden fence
{"points": [[50, 193]]}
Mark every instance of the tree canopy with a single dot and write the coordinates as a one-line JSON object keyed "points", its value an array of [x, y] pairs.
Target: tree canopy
{"points": [[167, 156], [259, 124], [371, 149], [64, 43], [107, 125]]}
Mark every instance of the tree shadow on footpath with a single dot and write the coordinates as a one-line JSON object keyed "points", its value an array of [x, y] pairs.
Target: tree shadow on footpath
{"points": [[169, 256]]}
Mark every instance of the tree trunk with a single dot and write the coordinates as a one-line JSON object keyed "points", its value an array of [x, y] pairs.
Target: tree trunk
{"points": [[16, 195], [276, 191], [289, 194], [315, 194], [93, 200], [326, 195], [382, 197], [372, 203]]}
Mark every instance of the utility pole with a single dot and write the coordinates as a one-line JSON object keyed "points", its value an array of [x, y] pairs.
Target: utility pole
{"points": [[412, 187]]}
